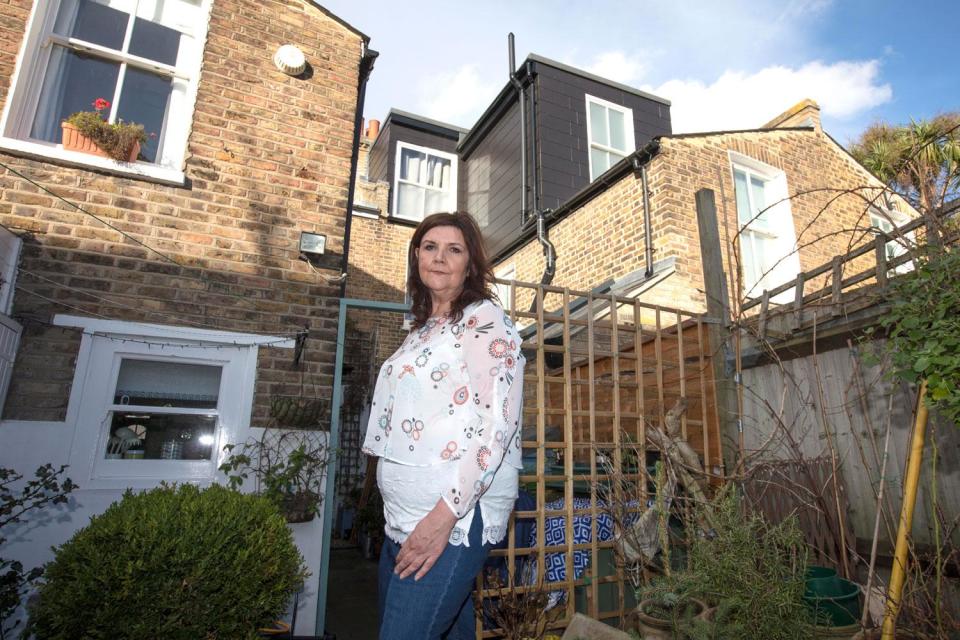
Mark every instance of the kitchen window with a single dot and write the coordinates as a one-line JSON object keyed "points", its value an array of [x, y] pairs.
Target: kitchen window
{"points": [[155, 402], [610, 132], [140, 56]]}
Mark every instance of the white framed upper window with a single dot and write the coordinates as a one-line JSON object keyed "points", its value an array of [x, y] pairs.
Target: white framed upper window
{"points": [[141, 56], [768, 240], [886, 221], [505, 291], [155, 402], [610, 132], [425, 182]]}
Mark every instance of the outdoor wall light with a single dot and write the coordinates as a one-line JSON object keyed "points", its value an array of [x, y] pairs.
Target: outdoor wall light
{"points": [[312, 245]]}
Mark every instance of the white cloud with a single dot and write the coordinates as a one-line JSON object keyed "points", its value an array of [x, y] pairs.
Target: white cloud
{"points": [[457, 97], [618, 66], [738, 100]]}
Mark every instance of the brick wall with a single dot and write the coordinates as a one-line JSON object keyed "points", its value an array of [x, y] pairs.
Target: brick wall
{"points": [[604, 238], [268, 157], [377, 271]]}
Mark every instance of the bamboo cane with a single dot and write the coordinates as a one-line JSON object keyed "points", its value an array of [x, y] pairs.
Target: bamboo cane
{"points": [[898, 575]]}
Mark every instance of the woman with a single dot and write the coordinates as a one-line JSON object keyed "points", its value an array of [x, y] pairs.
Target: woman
{"points": [[445, 422]]}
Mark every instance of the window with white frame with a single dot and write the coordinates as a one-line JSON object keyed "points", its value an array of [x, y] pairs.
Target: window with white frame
{"points": [[886, 221], [504, 291], [156, 402], [767, 240], [425, 182], [140, 56], [610, 132]]}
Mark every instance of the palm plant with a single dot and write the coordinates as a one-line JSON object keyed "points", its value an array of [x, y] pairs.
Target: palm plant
{"points": [[920, 160]]}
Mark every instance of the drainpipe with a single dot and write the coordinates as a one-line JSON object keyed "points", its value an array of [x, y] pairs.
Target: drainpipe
{"points": [[366, 66], [647, 231], [521, 92], [549, 252]]}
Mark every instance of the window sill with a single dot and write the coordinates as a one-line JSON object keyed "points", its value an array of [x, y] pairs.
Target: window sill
{"points": [[57, 154]]}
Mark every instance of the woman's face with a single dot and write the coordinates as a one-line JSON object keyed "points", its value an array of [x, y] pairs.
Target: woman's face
{"points": [[443, 260]]}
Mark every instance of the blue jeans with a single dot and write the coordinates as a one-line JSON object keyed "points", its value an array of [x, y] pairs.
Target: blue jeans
{"points": [[438, 605]]}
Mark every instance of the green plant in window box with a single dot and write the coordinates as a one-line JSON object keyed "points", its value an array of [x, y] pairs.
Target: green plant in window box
{"points": [[288, 467], [89, 131]]}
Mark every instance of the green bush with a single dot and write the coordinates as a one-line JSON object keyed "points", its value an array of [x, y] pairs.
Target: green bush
{"points": [[752, 571], [177, 563]]}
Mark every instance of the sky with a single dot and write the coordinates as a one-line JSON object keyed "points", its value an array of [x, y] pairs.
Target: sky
{"points": [[723, 64]]}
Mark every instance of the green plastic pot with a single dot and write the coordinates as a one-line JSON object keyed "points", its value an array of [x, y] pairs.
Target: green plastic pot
{"points": [[822, 582], [837, 610]]}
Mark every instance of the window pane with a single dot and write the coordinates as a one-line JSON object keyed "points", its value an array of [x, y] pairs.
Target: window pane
{"points": [[410, 163], [598, 124], [760, 204], [167, 384], [744, 214], [144, 100], [618, 134], [155, 41], [410, 201], [72, 82], [600, 161], [158, 436], [93, 22], [435, 202], [438, 172]]}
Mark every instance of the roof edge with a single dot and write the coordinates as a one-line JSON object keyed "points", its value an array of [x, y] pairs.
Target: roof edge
{"points": [[592, 76], [340, 21]]}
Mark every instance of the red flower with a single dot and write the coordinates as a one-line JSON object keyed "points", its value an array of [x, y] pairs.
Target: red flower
{"points": [[101, 103]]}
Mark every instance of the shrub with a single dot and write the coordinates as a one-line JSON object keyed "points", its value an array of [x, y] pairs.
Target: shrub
{"points": [[753, 571], [176, 562]]}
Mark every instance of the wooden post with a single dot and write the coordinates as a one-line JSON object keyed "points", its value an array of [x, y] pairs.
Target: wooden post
{"points": [[718, 309]]}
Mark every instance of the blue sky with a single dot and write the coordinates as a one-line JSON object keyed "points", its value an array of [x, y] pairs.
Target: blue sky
{"points": [[724, 64]]}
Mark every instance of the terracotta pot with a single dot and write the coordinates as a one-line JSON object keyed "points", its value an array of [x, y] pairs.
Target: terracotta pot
{"points": [[652, 628], [73, 140]]}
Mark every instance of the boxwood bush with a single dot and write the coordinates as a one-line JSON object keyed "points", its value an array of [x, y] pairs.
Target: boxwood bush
{"points": [[178, 563]]}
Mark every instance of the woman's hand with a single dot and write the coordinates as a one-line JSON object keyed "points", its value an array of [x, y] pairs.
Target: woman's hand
{"points": [[427, 541]]}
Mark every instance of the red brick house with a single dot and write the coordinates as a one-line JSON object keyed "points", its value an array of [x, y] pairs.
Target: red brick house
{"points": [[174, 283]]}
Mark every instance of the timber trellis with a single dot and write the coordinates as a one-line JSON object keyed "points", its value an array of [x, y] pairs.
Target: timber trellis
{"points": [[601, 370]]}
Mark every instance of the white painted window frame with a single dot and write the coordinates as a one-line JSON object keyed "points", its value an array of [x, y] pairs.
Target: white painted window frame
{"points": [[98, 363], [627, 127], [505, 272], [780, 217], [887, 220], [27, 81], [10, 246], [396, 176]]}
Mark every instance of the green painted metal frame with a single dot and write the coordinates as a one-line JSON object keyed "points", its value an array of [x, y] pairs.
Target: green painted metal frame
{"points": [[334, 443]]}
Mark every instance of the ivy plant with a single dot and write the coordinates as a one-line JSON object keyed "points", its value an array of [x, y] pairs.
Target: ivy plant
{"points": [[923, 328]]}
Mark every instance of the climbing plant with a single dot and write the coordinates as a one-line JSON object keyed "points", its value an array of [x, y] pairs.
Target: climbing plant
{"points": [[923, 328]]}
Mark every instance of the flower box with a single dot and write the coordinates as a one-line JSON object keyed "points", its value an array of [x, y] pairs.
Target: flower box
{"points": [[74, 140]]}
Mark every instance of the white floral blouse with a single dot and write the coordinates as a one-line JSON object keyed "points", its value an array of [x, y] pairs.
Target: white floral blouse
{"points": [[453, 393]]}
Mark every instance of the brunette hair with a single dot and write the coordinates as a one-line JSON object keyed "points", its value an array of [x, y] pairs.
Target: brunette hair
{"points": [[479, 280]]}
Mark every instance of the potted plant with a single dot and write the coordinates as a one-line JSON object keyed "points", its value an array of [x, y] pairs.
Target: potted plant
{"points": [[176, 562], [288, 466], [665, 607], [91, 132]]}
